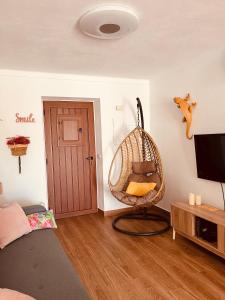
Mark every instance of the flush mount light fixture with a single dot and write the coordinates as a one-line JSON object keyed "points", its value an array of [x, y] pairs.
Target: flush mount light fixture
{"points": [[108, 22]]}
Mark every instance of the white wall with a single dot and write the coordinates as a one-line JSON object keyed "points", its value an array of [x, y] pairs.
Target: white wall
{"points": [[204, 78], [22, 91]]}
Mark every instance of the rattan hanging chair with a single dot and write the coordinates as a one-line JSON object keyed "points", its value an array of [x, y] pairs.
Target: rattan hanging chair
{"points": [[137, 147]]}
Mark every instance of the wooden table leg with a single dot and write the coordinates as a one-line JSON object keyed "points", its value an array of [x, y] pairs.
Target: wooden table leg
{"points": [[174, 234]]}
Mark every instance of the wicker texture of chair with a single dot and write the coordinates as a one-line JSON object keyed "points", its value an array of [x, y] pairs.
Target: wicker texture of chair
{"points": [[137, 147]]}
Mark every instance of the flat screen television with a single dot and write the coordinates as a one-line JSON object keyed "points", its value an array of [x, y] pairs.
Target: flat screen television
{"points": [[210, 156]]}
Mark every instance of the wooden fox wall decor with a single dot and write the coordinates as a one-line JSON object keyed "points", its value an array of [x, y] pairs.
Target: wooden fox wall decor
{"points": [[186, 108]]}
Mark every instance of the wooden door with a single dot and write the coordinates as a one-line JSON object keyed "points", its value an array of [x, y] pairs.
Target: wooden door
{"points": [[70, 153]]}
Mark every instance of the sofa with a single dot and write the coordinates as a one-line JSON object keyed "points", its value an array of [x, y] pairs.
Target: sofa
{"points": [[37, 265]]}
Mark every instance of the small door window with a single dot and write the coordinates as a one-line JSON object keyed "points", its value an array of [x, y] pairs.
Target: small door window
{"points": [[69, 131]]}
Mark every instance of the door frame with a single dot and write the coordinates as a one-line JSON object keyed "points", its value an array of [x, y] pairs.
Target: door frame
{"points": [[98, 141]]}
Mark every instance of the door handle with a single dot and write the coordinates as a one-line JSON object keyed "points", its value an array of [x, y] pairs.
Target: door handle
{"points": [[89, 158]]}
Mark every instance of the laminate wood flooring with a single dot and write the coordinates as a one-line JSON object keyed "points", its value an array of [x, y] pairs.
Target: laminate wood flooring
{"points": [[114, 266]]}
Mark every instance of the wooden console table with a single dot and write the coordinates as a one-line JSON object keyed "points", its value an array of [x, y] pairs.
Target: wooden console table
{"points": [[183, 220]]}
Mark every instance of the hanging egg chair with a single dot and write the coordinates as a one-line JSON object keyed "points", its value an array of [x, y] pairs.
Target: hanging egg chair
{"points": [[137, 160]]}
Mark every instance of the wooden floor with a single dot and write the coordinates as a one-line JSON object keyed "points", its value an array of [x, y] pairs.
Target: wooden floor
{"points": [[116, 266]]}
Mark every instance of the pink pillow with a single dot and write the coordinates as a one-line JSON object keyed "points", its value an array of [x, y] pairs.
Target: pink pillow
{"points": [[6, 294], [13, 224]]}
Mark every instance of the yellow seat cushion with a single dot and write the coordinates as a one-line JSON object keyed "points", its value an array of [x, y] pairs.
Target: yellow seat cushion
{"points": [[140, 188]]}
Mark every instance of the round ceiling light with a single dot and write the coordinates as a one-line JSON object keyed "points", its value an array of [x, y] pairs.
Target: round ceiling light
{"points": [[108, 22]]}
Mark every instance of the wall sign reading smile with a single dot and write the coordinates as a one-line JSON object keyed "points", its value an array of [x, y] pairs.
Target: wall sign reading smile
{"points": [[25, 119]]}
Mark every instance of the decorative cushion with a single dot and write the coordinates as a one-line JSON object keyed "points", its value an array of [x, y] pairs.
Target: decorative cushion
{"points": [[144, 178], [42, 220], [134, 200], [140, 188], [13, 224], [6, 294], [144, 167]]}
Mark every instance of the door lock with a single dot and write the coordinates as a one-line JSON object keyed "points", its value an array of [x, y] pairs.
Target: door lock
{"points": [[90, 158]]}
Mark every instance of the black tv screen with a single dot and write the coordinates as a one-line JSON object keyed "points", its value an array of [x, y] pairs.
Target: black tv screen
{"points": [[210, 156]]}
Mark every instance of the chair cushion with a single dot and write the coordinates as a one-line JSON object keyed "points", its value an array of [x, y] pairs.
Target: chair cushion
{"points": [[144, 167], [144, 178], [155, 178], [140, 188], [134, 200]]}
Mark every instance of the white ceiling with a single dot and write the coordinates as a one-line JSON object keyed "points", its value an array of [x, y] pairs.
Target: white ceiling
{"points": [[42, 36]]}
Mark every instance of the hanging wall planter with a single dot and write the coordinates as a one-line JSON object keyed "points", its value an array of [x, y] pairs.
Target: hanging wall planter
{"points": [[18, 146]]}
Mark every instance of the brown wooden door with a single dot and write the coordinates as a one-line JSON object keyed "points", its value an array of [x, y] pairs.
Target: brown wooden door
{"points": [[70, 151]]}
